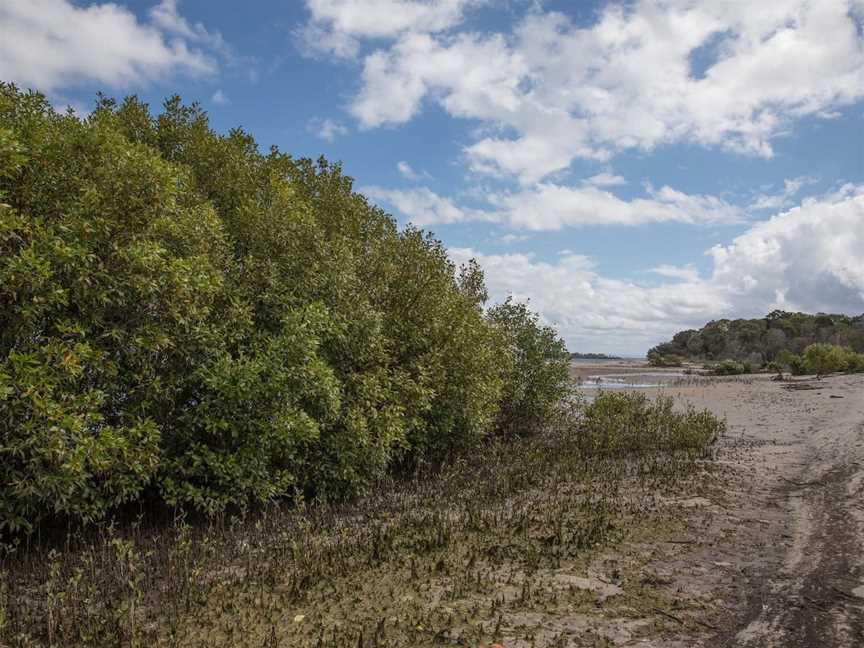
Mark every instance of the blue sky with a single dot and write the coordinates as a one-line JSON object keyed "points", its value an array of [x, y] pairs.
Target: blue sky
{"points": [[631, 168]]}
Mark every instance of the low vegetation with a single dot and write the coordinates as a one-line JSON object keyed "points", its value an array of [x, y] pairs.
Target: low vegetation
{"points": [[656, 359], [473, 554], [729, 368], [818, 359]]}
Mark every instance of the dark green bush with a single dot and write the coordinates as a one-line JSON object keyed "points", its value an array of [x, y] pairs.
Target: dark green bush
{"points": [[184, 316], [536, 377], [855, 363]]}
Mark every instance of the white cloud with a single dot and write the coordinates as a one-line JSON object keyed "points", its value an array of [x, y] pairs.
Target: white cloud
{"points": [[552, 207], [326, 129], [220, 98], [476, 76], [51, 44], [408, 172], [549, 206], [732, 75], [335, 26], [507, 239], [606, 179], [423, 207], [684, 273], [808, 258], [592, 312], [783, 198], [166, 15]]}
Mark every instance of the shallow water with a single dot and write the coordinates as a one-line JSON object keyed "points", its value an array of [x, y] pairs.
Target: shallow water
{"points": [[640, 380]]}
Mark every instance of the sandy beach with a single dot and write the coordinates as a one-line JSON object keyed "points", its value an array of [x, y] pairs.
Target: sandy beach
{"points": [[774, 551]]}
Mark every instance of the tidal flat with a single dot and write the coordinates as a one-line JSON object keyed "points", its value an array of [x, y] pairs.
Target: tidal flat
{"points": [[749, 540]]}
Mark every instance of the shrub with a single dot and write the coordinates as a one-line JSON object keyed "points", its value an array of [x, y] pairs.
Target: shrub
{"points": [[855, 362], [183, 316], [656, 359], [774, 367], [731, 368], [797, 365], [631, 423], [822, 359], [536, 376]]}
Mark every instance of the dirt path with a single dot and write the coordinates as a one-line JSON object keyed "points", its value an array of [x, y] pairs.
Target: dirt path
{"points": [[784, 541]]}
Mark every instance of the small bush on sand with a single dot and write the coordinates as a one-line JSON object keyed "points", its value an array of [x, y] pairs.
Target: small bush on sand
{"points": [[664, 360], [731, 368], [632, 423], [822, 359]]}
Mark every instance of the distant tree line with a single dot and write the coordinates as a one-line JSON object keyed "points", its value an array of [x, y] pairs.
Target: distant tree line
{"points": [[188, 320], [593, 356], [760, 341]]}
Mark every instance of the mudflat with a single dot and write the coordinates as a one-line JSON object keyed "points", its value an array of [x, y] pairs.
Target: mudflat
{"points": [[775, 553]]}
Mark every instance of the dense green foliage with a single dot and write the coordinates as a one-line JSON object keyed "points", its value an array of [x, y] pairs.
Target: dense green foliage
{"points": [[184, 317], [537, 378], [822, 359], [761, 340], [617, 423]]}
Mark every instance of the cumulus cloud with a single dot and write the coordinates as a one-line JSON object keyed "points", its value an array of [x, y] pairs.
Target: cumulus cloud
{"points": [[807, 258], [553, 207], [50, 44], [408, 172], [166, 16], [422, 206], [782, 198], [326, 129], [336, 26], [590, 311], [479, 75], [548, 206], [731, 75]]}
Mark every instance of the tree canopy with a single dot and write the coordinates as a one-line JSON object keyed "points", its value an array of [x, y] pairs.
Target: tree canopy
{"points": [[763, 339]]}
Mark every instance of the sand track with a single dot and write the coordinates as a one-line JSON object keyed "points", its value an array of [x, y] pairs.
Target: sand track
{"points": [[796, 498]]}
